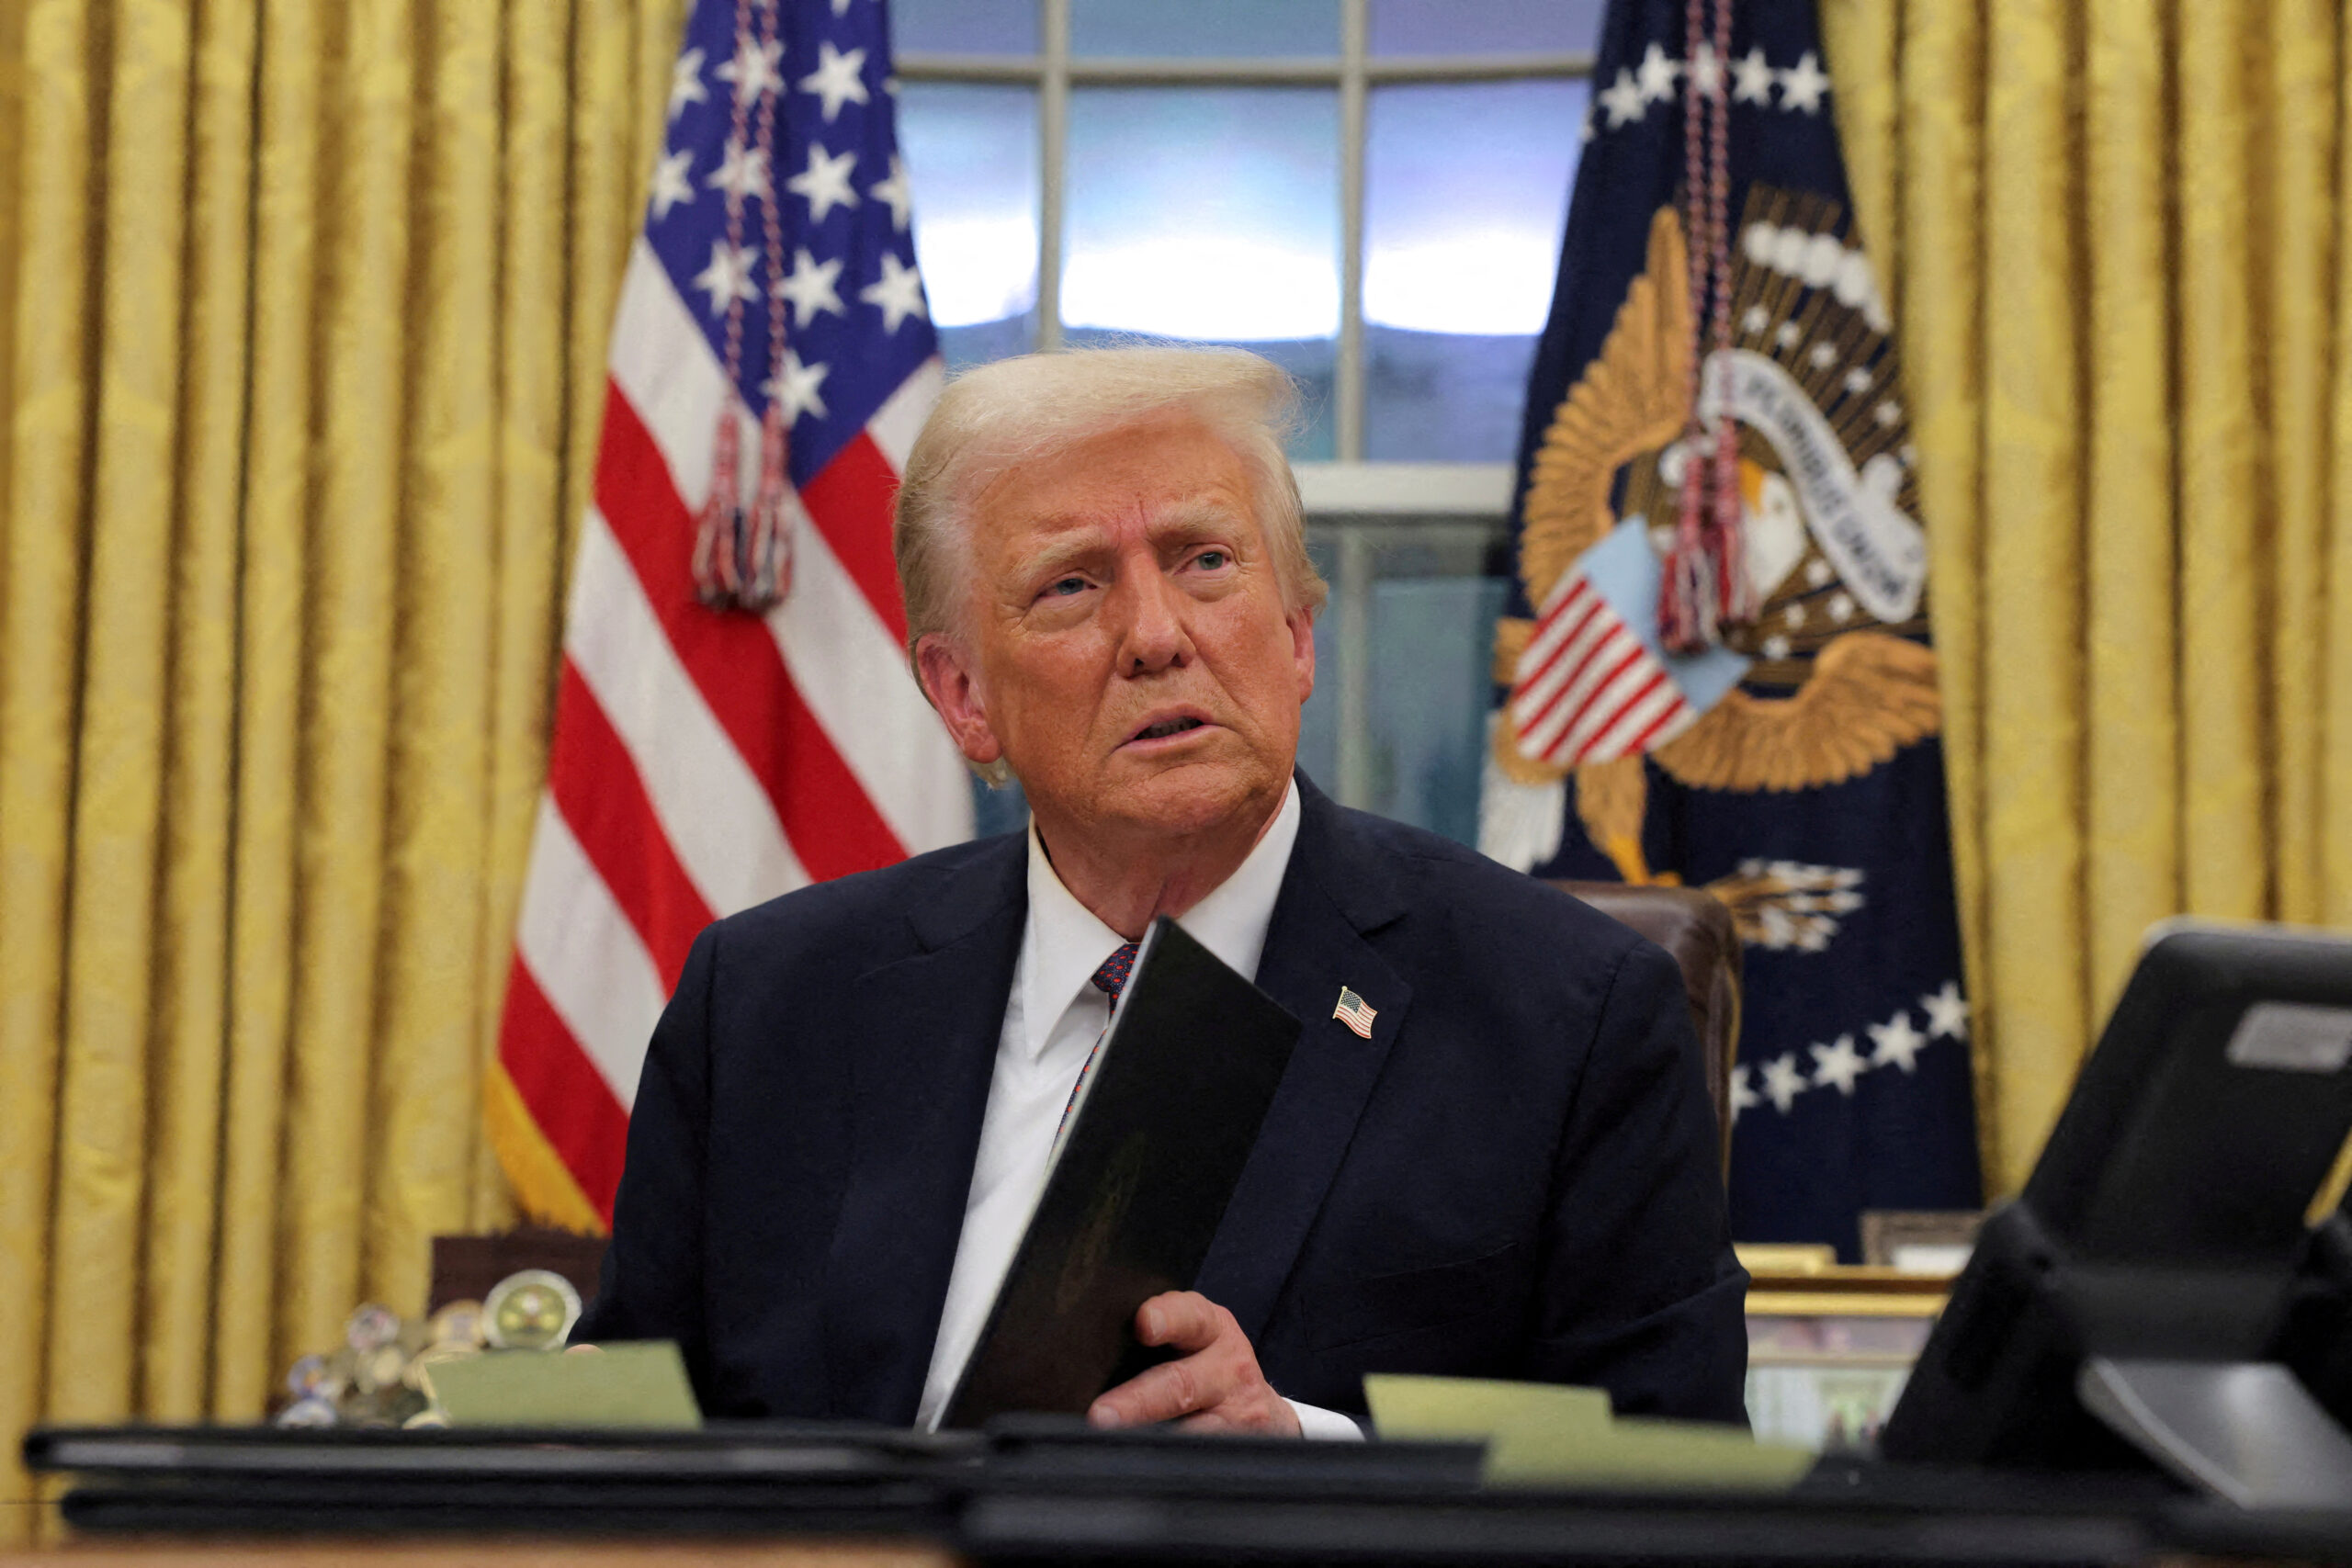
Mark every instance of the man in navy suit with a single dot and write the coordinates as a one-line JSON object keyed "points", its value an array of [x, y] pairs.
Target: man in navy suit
{"points": [[847, 1111]]}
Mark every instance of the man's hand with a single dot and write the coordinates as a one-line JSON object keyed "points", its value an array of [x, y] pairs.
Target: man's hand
{"points": [[1215, 1387]]}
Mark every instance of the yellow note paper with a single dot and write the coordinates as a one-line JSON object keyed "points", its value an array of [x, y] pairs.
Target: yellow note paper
{"points": [[1644, 1454], [1547, 1436], [1476, 1409], [636, 1385]]}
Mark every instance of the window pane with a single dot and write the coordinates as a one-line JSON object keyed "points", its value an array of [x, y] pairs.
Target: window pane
{"points": [[963, 27], [1484, 26], [971, 152], [1465, 196], [1210, 214], [1204, 28], [1432, 646]]}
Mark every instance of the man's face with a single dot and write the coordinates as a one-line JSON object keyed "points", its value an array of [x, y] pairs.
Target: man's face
{"points": [[1126, 646]]}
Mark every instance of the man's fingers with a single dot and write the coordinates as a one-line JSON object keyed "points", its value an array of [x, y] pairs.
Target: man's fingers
{"points": [[1159, 1393], [1206, 1422], [1185, 1319]]}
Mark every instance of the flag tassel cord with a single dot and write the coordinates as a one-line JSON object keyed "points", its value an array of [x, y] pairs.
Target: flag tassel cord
{"points": [[742, 556], [1704, 587]]}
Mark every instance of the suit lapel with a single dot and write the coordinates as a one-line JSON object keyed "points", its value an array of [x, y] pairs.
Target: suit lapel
{"points": [[924, 1040], [1333, 895]]}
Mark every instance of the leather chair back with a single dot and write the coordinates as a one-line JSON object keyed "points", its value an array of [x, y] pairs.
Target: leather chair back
{"points": [[1697, 929]]}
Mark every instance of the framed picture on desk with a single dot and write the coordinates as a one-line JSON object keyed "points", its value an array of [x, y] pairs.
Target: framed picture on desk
{"points": [[1830, 1345]]}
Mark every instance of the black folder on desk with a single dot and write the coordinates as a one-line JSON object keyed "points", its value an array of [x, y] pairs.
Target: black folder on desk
{"points": [[1155, 1148]]}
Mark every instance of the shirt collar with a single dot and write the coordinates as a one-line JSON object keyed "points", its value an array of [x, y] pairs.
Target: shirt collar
{"points": [[1231, 921], [1065, 941]]}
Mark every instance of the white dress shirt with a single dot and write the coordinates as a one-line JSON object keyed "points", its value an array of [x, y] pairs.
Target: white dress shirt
{"points": [[1051, 1022]]}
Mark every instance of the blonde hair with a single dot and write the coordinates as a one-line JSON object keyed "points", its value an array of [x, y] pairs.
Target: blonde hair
{"points": [[1019, 410]]}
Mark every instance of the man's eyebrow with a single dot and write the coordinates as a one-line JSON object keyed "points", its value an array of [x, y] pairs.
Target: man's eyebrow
{"points": [[1195, 518], [1075, 538], [1068, 546]]}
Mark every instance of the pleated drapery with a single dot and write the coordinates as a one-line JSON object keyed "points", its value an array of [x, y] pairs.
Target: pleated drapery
{"points": [[303, 307], [2118, 232]]}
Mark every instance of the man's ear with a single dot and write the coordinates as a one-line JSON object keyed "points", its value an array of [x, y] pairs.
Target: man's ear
{"points": [[954, 693], [1302, 649]]}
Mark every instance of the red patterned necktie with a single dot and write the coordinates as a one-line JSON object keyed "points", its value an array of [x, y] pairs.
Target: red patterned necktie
{"points": [[1110, 979]]}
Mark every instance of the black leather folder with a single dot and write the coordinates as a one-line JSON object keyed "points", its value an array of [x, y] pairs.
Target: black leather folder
{"points": [[1154, 1151]]}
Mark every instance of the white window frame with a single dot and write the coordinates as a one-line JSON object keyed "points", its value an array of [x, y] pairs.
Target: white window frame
{"points": [[1362, 505]]}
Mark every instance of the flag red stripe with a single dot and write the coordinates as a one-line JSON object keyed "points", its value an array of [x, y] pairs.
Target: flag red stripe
{"points": [[1649, 732], [849, 502], [579, 1114], [1616, 636], [602, 796], [1578, 725], [833, 827], [1640, 695], [1593, 606]]}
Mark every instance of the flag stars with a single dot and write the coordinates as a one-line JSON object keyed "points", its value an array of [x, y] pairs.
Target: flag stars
{"points": [[1804, 85], [811, 286], [1838, 1065], [825, 182], [1783, 1081], [1817, 573], [1752, 78], [1888, 413], [795, 388], [899, 293], [894, 192], [1789, 336], [1623, 100], [673, 182], [836, 80], [1706, 72], [1743, 1093], [743, 172], [1947, 1013], [1896, 1043], [1823, 355], [1754, 322], [1858, 380], [728, 276], [754, 70], [1841, 607], [1656, 74], [685, 83]]}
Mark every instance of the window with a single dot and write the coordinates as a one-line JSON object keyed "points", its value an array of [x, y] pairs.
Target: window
{"points": [[1368, 191]]}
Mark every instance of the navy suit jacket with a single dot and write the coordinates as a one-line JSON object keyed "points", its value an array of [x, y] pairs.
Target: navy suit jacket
{"points": [[1515, 1177]]}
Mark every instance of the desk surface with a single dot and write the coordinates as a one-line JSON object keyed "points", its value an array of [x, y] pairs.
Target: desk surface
{"points": [[489, 1551], [1063, 1496]]}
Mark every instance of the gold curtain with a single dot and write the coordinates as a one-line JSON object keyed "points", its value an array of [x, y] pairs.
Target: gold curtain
{"points": [[303, 307], [2120, 237]]}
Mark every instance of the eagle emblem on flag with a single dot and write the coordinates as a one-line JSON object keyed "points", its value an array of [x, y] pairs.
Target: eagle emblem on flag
{"points": [[1833, 674]]}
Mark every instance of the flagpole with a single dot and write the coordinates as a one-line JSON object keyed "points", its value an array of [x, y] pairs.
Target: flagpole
{"points": [[1053, 146], [1347, 396]]}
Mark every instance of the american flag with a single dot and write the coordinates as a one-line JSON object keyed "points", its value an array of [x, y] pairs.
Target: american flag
{"points": [[1352, 1012], [1587, 690], [712, 749]]}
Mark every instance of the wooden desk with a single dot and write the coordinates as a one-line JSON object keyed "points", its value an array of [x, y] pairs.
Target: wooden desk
{"points": [[462, 1552]]}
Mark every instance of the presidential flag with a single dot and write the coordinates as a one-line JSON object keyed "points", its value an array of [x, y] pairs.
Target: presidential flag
{"points": [[735, 718], [1717, 667]]}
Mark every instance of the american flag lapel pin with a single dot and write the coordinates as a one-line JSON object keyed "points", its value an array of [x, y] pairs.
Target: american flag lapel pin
{"points": [[1355, 1013]]}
